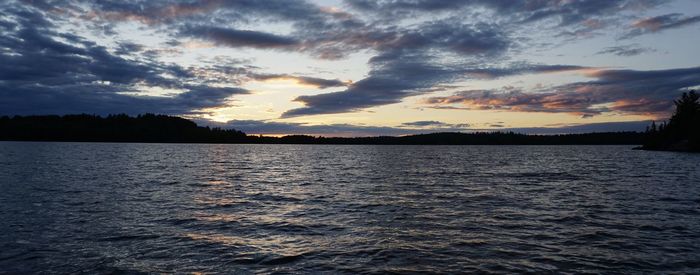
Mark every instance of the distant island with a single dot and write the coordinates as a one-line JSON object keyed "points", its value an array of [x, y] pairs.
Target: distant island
{"points": [[682, 132], [151, 128]]}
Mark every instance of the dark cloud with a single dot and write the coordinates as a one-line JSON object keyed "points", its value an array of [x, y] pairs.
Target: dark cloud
{"points": [[517, 69], [391, 79], [519, 101], [175, 11], [333, 34], [40, 58], [405, 66], [99, 99], [626, 91], [568, 12], [423, 123], [449, 35], [398, 77], [212, 20], [240, 38], [479, 39], [322, 32], [626, 50], [127, 48], [329, 39], [49, 72], [660, 23]]}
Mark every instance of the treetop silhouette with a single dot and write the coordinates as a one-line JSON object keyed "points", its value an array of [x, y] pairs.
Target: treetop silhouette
{"points": [[682, 132], [167, 129]]}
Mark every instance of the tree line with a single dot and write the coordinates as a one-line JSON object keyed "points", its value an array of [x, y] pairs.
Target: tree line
{"points": [[478, 138], [113, 128], [682, 131], [153, 128]]}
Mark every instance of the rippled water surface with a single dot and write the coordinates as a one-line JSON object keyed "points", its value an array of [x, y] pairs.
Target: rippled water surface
{"points": [[103, 208]]}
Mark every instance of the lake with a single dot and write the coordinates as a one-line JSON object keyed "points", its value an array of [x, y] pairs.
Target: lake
{"points": [[151, 208]]}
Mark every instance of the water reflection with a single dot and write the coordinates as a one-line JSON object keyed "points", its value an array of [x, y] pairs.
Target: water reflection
{"points": [[101, 208]]}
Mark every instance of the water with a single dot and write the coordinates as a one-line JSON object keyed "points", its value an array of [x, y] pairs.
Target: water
{"points": [[110, 208]]}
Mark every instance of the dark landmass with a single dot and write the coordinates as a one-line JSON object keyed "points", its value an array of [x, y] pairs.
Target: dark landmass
{"points": [[481, 138], [113, 128], [681, 132], [151, 128]]}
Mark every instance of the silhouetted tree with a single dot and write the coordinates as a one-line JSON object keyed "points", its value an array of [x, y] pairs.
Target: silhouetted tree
{"points": [[682, 132]]}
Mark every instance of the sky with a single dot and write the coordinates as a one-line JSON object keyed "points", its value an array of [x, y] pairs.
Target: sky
{"points": [[354, 67]]}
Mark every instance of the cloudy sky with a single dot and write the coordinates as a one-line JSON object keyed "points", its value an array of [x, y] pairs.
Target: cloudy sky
{"points": [[354, 67]]}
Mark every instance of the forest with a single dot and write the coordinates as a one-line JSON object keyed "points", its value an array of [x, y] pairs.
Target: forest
{"points": [[682, 131], [151, 128], [147, 128]]}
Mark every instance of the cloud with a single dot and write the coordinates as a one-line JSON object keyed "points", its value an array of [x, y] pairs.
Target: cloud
{"points": [[660, 23], [240, 38], [518, 69], [173, 11], [50, 72], [396, 77], [99, 99], [625, 50], [127, 48], [330, 39], [319, 83], [404, 67], [479, 39], [391, 80], [625, 91], [434, 124], [423, 123], [568, 12], [516, 100], [586, 29]]}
